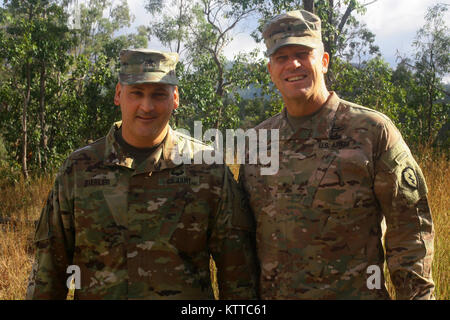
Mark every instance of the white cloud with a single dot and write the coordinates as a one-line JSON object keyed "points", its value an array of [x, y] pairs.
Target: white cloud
{"points": [[394, 22], [243, 43], [387, 17]]}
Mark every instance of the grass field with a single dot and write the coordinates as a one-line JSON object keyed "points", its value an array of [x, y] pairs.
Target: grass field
{"points": [[20, 206]]}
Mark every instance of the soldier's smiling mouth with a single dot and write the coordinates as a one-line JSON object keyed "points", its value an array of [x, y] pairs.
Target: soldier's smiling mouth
{"points": [[146, 118], [296, 78]]}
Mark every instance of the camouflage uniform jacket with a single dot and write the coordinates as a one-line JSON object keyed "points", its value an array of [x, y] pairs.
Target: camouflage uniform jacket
{"points": [[143, 232], [318, 219]]}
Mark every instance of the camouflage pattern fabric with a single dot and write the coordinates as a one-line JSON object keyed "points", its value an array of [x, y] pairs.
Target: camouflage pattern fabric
{"points": [[143, 232], [147, 66], [318, 219], [298, 27]]}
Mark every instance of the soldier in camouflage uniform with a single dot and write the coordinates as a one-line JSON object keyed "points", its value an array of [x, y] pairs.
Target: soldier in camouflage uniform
{"points": [[343, 167], [136, 223]]}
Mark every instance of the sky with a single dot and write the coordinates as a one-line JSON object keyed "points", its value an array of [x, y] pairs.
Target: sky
{"points": [[394, 23]]}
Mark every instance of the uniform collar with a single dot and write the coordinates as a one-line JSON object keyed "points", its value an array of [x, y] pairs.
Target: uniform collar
{"points": [[318, 126], [160, 159]]}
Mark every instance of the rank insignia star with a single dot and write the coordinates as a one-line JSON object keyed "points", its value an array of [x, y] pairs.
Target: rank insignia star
{"points": [[149, 64]]}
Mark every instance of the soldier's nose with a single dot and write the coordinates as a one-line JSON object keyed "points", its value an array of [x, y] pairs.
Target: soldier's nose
{"points": [[147, 105], [295, 63]]}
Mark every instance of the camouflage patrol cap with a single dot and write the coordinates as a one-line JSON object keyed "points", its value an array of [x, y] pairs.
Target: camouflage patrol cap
{"points": [[147, 66], [294, 27]]}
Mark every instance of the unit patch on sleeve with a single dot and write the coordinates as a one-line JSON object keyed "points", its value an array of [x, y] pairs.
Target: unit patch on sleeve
{"points": [[409, 176]]}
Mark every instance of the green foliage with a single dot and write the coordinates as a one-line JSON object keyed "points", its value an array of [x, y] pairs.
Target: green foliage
{"points": [[209, 82], [9, 170], [70, 75], [431, 64], [424, 100], [369, 85], [3, 152]]}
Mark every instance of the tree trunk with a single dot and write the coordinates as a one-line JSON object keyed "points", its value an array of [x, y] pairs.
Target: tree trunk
{"points": [[308, 5], [329, 43], [24, 121], [332, 37], [43, 141], [430, 114], [180, 15], [220, 87]]}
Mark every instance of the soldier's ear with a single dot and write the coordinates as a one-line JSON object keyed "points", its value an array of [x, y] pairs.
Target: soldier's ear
{"points": [[117, 94], [269, 68], [325, 62], [176, 98]]}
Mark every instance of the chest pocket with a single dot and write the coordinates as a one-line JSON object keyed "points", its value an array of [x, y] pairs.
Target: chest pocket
{"points": [[300, 175], [154, 207], [100, 212], [348, 182], [183, 211], [345, 195], [280, 200]]}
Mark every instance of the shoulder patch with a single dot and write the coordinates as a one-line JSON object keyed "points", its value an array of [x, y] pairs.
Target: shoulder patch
{"points": [[409, 177]]}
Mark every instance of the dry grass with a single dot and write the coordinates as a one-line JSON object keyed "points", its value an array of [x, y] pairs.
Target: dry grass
{"points": [[20, 207], [436, 168], [22, 203], [16, 259]]}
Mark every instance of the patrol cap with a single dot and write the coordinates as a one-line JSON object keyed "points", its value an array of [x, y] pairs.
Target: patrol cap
{"points": [[147, 66], [294, 27]]}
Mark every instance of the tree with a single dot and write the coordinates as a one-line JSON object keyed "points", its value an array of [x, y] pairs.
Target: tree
{"points": [[406, 97], [204, 36], [432, 63], [60, 82], [369, 84], [171, 29], [54, 42], [97, 29], [211, 35], [425, 97], [97, 53], [19, 53]]}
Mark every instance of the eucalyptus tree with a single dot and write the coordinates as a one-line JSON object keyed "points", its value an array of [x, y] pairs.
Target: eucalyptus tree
{"points": [[34, 42], [432, 65], [200, 31]]}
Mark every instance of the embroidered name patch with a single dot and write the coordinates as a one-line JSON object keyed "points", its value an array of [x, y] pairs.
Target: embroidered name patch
{"points": [[179, 180], [335, 144], [96, 182]]}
